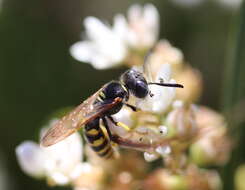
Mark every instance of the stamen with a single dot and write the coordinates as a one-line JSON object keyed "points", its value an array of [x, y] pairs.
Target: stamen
{"points": [[163, 150], [163, 130], [161, 80], [151, 94], [150, 157]]}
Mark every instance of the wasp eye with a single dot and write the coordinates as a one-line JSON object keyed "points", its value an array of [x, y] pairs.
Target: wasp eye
{"points": [[141, 89]]}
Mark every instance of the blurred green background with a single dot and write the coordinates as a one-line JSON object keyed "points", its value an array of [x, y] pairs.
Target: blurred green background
{"points": [[38, 76]]}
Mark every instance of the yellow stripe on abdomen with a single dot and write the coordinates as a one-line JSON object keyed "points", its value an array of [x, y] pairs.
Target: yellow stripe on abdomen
{"points": [[98, 141]]}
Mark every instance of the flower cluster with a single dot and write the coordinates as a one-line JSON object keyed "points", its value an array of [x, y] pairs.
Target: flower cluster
{"points": [[60, 164], [168, 125], [109, 46]]}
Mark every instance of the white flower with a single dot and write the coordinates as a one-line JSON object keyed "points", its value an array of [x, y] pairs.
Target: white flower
{"points": [[143, 26], [30, 157], [163, 96], [124, 116], [58, 162], [107, 47]]}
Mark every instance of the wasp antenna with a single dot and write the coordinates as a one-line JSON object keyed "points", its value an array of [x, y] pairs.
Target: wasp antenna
{"points": [[167, 84]]}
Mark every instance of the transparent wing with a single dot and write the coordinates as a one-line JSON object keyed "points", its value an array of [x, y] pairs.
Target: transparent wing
{"points": [[146, 66], [77, 118]]}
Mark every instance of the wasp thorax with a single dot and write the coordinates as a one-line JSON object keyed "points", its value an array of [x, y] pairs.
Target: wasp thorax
{"points": [[136, 83], [114, 90]]}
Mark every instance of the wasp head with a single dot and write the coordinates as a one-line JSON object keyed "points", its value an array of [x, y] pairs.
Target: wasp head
{"points": [[136, 83]]}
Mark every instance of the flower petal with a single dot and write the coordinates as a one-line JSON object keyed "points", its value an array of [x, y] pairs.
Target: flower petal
{"points": [[166, 98], [106, 41], [124, 115], [134, 12], [143, 26], [102, 62], [64, 156], [31, 158], [164, 72], [96, 30], [120, 26], [151, 19], [82, 51], [162, 96], [59, 178]]}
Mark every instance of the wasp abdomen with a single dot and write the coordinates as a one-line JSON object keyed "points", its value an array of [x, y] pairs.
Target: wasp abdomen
{"points": [[97, 139]]}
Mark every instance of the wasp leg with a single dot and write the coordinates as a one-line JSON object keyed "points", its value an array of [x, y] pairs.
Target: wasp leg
{"points": [[120, 124], [127, 143], [107, 127], [134, 108]]}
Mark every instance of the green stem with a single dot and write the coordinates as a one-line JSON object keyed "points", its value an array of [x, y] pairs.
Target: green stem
{"points": [[234, 94]]}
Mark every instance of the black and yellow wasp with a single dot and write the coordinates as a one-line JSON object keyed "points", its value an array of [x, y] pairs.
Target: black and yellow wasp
{"points": [[100, 108]]}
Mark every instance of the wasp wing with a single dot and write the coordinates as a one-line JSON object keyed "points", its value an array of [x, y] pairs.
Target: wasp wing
{"points": [[73, 121], [146, 66]]}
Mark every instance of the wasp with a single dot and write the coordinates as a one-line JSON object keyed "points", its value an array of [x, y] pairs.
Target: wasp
{"points": [[99, 108]]}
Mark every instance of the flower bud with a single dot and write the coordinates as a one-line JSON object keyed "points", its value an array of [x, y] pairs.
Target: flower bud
{"points": [[211, 149], [181, 122], [164, 53], [202, 179], [162, 179], [192, 178], [206, 117], [191, 79], [91, 177], [212, 146]]}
